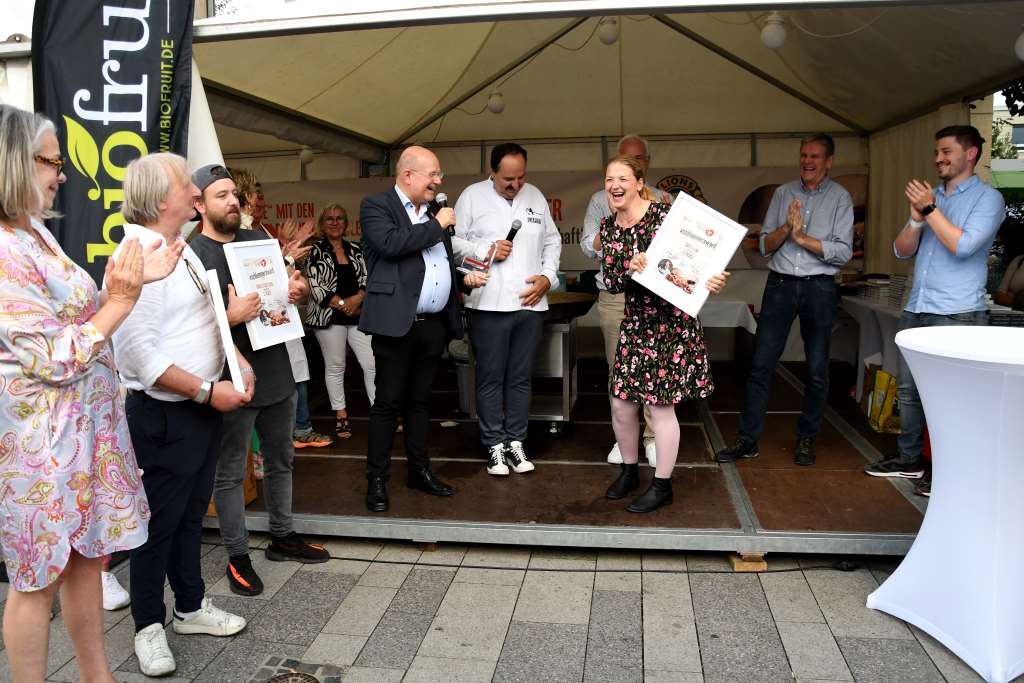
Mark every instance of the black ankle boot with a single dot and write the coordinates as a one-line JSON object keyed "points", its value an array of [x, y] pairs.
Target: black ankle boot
{"points": [[659, 493], [628, 480]]}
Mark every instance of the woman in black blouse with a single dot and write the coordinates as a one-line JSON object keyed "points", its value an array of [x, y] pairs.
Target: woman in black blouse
{"points": [[337, 282]]}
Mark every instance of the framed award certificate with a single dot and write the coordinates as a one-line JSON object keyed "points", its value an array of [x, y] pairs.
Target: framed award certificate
{"points": [[258, 267]]}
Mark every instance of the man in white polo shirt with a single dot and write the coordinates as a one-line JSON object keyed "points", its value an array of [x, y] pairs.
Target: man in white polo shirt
{"points": [[506, 315]]}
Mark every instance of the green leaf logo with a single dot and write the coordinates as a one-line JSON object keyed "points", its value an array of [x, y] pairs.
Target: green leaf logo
{"points": [[84, 154]]}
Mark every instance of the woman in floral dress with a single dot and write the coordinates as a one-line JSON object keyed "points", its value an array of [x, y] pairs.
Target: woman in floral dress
{"points": [[70, 491], [660, 359]]}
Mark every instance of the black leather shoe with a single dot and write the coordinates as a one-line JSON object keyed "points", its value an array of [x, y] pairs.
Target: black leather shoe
{"points": [[627, 482], [376, 495], [804, 454], [424, 480], [659, 494]]}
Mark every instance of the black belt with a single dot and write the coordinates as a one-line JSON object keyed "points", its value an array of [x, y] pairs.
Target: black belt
{"points": [[784, 276], [420, 317]]}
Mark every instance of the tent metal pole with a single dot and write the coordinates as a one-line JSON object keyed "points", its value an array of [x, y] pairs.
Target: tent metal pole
{"points": [[764, 76], [490, 79]]}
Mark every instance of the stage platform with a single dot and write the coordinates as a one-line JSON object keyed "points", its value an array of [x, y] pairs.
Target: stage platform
{"points": [[763, 505]]}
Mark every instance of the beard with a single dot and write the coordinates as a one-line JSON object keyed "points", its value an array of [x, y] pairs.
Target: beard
{"points": [[226, 224]]}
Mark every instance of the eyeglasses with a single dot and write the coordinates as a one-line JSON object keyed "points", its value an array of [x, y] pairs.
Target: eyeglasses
{"points": [[195, 276], [335, 219], [436, 175], [57, 162]]}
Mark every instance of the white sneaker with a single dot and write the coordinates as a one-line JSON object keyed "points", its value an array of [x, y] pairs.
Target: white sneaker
{"points": [[516, 457], [496, 460], [210, 620], [114, 597], [650, 452], [614, 455], [155, 658]]}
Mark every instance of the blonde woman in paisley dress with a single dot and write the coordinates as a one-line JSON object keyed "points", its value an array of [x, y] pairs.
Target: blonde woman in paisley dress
{"points": [[70, 492]]}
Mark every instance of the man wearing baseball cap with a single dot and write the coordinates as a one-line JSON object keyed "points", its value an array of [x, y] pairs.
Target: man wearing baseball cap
{"points": [[272, 409]]}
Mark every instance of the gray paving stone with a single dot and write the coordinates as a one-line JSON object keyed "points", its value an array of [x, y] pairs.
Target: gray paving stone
{"points": [[192, 653], [813, 652], [842, 597], [614, 638], [446, 555], [385, 575], [364, 674], [499, 557], [301, 608], [399, 552], [360, 611], [555, 597], [352, 548], [670, 634], [730, 602], [542, 652], [331, 648], [422, 591], [547, 558], [782, 562], [126, 677], [952, 668], [352, 567], [494, 577], [471, 622], [664, 561], [708, 562], [886, 659], [119, 645], [651, 676], [618, 581], [393, 644], [609, 560], [755, 655], [433, 669], [790, 598], [241, 658]]}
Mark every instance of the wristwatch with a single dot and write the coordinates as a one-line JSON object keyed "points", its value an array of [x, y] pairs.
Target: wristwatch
{"points": [[927, 210], [205, 389], [290, 260]]}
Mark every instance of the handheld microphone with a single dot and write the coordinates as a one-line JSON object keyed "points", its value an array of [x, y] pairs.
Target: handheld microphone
{"points": [[516, 224], [442, 200]]}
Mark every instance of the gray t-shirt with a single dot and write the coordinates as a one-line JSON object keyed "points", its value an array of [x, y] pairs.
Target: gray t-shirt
{"points": [[274, 379]]}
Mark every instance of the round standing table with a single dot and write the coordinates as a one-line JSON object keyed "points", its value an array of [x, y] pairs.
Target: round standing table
{"points": [[963, 579]]}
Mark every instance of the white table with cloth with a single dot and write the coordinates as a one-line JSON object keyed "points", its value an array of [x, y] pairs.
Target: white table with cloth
{"points": [[960, 582], [878, 326]]}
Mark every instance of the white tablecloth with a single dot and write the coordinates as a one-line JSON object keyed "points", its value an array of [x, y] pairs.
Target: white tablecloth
{"points": [[961, 581], [878, 327]]}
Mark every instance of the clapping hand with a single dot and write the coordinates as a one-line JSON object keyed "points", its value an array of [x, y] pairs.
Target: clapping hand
{"points": [[920, 195], [297, 288], [123, 276], [160, 261]]}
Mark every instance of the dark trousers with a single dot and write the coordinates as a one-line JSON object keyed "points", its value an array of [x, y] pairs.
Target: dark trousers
{"points": [[504, 346], [910, 443], [405, 377], [176, 445], [813, 300]]}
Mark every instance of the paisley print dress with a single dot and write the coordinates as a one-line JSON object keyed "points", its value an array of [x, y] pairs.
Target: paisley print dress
{"points": [[68, 476], [660, 358]]}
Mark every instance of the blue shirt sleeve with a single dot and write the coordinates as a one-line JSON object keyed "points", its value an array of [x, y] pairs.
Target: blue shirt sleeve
{"points": [[981, 224]]}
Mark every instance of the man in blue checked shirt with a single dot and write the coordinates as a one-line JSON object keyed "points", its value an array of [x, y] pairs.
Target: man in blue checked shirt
{"points": [[950, 231]]}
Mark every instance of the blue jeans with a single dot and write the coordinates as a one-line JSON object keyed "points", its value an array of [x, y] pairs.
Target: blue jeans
{"points": [[813, 300], [910, 443], [302, 424]]}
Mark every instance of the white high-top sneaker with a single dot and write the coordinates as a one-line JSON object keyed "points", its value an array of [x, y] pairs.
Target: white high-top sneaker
{"points": [[114, 596], [155, 658], [516, 458], [496, 464]]}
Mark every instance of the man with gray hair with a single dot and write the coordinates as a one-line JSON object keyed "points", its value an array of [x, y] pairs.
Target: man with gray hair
{"points": [[169, 355], [611, 307]]}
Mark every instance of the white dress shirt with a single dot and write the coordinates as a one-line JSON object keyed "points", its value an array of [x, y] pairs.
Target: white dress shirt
{"points": [[437, 280], [483, 216], [173, 323]]}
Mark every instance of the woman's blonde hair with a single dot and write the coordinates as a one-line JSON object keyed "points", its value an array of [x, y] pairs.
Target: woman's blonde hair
{"points": [[638, 173], [21, 137], [246, 182], [320, 221]]}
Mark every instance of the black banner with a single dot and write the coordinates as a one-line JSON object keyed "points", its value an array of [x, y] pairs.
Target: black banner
{"points": [[115, 76]]}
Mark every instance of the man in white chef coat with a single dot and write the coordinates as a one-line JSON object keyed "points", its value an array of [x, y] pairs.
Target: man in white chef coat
{"points": [[506, 315]]}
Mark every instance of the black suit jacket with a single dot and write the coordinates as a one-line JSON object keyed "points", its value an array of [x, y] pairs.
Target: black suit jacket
{"points": [[392, 248]]}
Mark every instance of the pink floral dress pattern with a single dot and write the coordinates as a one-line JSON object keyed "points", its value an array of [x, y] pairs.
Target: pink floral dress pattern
{"points": [[68, 476], [660, 358]]}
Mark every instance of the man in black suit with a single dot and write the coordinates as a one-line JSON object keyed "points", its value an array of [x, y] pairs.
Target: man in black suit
{"points": [[411, 309]]}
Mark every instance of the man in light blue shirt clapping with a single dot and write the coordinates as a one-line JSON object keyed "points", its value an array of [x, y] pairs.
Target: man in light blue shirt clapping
{"points": [[950, 232]]}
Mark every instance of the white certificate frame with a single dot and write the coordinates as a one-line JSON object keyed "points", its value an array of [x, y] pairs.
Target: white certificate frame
{"points": [[213, 284], [696, 242], [258, 266]]}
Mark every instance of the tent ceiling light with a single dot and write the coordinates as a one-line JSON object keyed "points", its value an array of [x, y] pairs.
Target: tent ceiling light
{"points": [[608, 30], [1018, 47], [773, 33], [496, 103], [306, 155]]}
